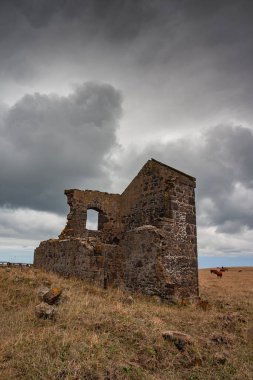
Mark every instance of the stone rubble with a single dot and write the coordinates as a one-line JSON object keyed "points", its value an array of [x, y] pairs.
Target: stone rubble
{"points": [[45, 311], [50, 298], [178, 338]]}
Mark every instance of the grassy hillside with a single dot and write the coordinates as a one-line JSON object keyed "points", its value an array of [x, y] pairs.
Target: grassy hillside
{"points": [[100, 334]]}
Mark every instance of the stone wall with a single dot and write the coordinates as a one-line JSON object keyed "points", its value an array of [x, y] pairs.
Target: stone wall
{"points": [[88, 259], [156, 265], [108, 206], [146, 239]]}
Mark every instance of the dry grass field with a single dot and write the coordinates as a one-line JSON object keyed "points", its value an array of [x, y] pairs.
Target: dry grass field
{"points": [[100, 334]]}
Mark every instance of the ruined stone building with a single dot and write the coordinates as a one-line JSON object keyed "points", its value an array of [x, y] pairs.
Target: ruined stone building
{"points": [[146, 238]]}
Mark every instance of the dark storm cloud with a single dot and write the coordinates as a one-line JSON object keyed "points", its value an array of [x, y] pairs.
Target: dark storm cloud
{"points": [[180, 64], [119, 19], [49, 143], [167, 31], [221, 160]]}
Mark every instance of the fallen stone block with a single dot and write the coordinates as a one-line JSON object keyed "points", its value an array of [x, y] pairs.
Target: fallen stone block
{"points": [[45, 311], [178, 338], [128, 300], [52, 296], [219, 358], [42, 291]]}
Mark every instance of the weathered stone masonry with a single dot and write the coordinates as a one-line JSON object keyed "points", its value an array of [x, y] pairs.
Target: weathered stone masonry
{"points": [[146, 239]]}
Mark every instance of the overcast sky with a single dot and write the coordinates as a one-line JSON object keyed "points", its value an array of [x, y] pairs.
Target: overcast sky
{"points": [[91, 89]]}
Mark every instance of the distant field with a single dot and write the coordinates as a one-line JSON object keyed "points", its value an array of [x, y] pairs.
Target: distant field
{"points": [[99, 334], [235, 284]]}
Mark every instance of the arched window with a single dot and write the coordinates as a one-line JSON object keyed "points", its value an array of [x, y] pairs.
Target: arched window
{"points": [[92, 220]]}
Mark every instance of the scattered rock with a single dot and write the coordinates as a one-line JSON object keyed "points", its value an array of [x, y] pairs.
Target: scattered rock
{"points": [[42, 291], [189, 359], [128, 300], [52, 296], [219, 358], [178, 338], [45, 311], [221, 338], [230, 318]]}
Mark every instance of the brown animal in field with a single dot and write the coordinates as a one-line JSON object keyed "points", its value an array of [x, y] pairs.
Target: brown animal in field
{"points": [[217, 272], [223, 269]]}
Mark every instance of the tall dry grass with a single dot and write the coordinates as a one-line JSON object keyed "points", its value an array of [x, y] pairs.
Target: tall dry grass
{"points": [[97, 334]]}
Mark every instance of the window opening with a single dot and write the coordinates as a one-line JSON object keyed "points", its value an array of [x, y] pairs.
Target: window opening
{"points": [[92, 220]]}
